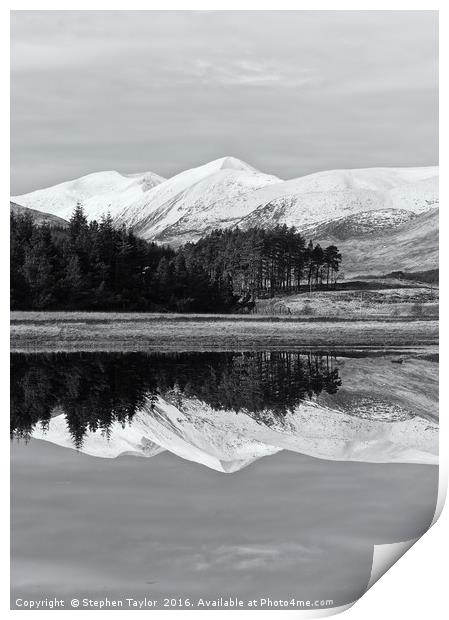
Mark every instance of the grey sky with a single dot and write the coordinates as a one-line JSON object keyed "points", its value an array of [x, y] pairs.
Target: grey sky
{"points": [[288, 92]]}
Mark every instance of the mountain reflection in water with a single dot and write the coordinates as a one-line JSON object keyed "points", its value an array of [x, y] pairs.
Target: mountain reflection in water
{"points": [[94, 390], [344, 447], [225, 410]]}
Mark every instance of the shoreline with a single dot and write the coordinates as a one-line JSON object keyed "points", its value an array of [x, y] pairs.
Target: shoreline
{"points": [[46, 332]]}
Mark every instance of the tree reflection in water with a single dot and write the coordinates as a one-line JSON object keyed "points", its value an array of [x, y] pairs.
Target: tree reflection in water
{"points": [[94, 390]]}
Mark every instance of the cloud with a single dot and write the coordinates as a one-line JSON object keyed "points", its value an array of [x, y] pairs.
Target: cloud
{"points": [[249, 72], [291, 92], [252, 556]]}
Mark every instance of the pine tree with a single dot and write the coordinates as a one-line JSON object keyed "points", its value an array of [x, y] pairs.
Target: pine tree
{"points": [[73, 282], [40, 269], [21, 230], [78, 226], [332, 259], [164, 279]]}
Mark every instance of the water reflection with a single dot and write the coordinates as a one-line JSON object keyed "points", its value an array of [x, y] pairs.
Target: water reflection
{"points": [[94, 390], [227, 410], [349, 440]]}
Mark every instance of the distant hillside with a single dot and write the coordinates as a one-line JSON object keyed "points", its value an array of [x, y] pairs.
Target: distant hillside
{"points": [[38, 217], [411, 246], [359, 224]]}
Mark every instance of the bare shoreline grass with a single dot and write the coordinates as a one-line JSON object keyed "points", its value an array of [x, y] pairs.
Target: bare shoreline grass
{"points": [[89, 331]]}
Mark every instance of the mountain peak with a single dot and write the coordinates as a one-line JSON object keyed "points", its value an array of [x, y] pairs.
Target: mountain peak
{"points": [[230, 163], [228, 192]]}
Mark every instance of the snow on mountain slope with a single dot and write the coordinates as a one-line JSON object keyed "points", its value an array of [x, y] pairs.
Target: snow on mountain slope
{"points": [[358, 178], [228, 192], [186, 206], [242, 196], [359, 224], [99, 193], [417, 196], [325, 196], [254, 199], [226, 441]]}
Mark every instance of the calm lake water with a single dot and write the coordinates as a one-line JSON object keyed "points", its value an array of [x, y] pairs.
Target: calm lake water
{"points": [[208, 475]]}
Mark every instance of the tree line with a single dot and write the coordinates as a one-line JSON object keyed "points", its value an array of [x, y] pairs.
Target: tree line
{"points": [[265, 262], [98, 266]]}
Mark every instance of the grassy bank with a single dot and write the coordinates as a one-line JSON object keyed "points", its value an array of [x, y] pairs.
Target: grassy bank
{"points": [[375, 303], [34, 331]]}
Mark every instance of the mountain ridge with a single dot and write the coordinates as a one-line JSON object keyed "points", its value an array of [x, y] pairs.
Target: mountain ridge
{"points": [[228, 192]]}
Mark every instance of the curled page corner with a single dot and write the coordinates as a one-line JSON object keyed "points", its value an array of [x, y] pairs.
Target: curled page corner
{"points": [[442, 493], [385, 556]]}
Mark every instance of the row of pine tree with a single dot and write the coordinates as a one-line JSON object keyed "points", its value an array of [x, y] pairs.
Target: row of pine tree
{"points": [[265, 262], [98, 266]]}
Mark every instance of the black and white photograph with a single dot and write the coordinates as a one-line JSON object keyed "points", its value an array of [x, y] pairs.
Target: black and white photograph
{"points": [[224, 280]]}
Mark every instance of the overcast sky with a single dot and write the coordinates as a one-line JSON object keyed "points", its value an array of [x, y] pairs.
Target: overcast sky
{"points": [[288, 92]]}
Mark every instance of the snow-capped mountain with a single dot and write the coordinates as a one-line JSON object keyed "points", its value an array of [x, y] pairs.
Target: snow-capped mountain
{"points": [[183, 208], [99, 193], [325, 196], [227, 441], [227, 192]]}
